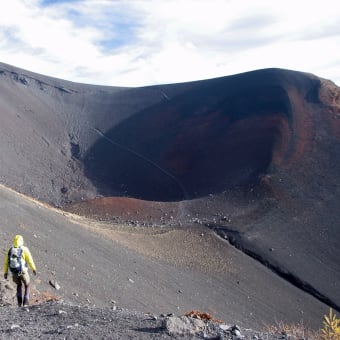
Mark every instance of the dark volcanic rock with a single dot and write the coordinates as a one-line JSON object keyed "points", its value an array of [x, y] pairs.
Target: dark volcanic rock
{"points": [[256, 154]]}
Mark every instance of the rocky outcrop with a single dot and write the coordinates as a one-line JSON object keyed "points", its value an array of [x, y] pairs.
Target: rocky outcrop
{"points": [[57, 320]]}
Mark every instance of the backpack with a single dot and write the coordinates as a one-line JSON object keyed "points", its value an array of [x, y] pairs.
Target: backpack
{"points": [[15, 261]]}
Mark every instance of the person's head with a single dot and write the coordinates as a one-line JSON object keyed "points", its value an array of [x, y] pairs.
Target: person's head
{"points": [[18, 241]]}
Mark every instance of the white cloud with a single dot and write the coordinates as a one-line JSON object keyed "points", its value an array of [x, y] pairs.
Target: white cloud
{"points": [[142, 42]]}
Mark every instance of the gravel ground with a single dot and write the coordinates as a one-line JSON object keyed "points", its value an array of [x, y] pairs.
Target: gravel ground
{"points": [[56, 320], [63, 321]]}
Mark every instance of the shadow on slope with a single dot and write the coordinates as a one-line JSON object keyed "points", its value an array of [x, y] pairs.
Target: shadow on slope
{"points": [[220, 134]]}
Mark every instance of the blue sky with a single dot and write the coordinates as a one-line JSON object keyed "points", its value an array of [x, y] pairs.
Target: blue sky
{"points": [[146, 42]]}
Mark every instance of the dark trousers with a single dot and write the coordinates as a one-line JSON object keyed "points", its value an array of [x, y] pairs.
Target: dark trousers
{"points": [[22, 280]]}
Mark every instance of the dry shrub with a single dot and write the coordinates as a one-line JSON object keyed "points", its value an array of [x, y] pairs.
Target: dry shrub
{"points": [[298, 331], [202, 316], [44, 297], [47, 296]]}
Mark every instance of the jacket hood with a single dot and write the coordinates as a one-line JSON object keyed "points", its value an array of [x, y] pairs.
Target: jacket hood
{"points": [[18, 241]]}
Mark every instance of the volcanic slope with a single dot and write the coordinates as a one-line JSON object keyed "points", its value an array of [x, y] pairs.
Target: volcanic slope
{"points": [[93, 267], [252, 157]]}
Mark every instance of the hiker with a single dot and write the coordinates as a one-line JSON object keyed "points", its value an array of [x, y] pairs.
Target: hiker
{"points": [[16, 260]]}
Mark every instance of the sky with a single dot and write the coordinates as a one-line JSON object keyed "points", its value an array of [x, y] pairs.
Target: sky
{"points": [[151, 42]]}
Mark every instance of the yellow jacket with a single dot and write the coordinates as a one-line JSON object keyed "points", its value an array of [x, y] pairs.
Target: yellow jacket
{"points": [[26, 255]]}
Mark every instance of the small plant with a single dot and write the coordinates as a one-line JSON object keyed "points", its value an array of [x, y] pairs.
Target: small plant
{"points": [[331, 327], [294, 331]]}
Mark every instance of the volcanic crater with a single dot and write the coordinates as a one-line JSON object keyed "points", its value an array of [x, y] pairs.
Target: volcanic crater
{"points": [[254, 156]]}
